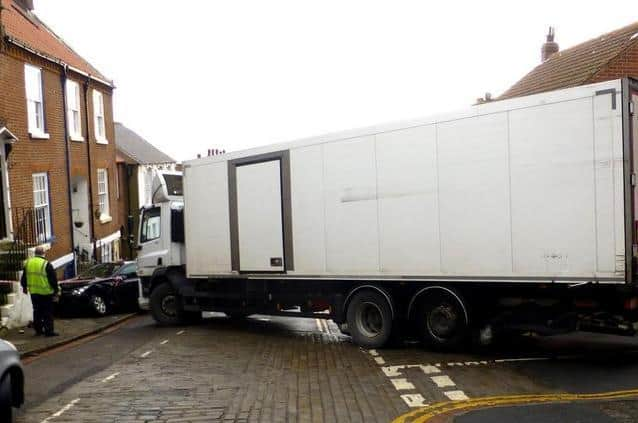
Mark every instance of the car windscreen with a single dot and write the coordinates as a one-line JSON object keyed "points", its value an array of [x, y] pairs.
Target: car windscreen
{"points": [[102, 270]]}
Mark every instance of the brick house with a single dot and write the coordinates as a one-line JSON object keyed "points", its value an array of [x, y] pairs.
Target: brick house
{"points": [[610, 56], [136, 161], [58, 155]]}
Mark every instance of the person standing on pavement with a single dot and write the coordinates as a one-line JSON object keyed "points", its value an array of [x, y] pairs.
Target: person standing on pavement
{"points": [[39, 280]]}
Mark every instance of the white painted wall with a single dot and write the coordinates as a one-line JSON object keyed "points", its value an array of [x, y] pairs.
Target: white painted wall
{"points": [[519, 188]]}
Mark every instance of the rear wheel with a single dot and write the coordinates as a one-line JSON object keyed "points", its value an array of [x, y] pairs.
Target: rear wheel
{"points": [[6, 399], [165, 305], [369, 319], [442, 321]]}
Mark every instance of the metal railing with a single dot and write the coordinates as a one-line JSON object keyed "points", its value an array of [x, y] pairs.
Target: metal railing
{"points": [[27, 235]]}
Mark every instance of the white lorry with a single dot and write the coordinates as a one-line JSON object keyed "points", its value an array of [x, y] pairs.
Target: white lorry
{"points": [[513, 215]]}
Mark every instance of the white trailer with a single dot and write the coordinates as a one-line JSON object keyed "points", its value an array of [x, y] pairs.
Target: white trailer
{"points": [[508, 215]]}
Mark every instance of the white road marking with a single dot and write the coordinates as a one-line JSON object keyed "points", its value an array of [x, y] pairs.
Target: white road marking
{"points": [[146, 354], [318, 323], [392, 371], [180, 332], [61, 411], [428, 370], [164, 342], [414, 400], [442, 381], [111, 377], [402, 384], [373, 352], [456, 395], [512, 360], [379, 360], [454, 364]]}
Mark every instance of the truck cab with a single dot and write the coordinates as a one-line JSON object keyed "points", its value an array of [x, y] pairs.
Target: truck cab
{"points": [[161, 228]]}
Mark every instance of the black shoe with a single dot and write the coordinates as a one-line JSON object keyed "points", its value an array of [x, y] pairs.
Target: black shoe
{"points": [[50, 334]]}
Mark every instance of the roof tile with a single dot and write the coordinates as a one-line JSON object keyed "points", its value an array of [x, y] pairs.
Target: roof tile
{"points": [[26, 27], [576, 65]]}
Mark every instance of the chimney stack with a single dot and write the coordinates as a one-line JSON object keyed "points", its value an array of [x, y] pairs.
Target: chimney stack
{"points": [[26, 4], [550, 47]]}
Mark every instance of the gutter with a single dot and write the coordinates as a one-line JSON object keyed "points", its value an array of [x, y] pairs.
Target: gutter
{"points": [[22, 45], [67, 154]]}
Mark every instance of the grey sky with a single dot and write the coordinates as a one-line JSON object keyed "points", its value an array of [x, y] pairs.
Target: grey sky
{"points": [[193, 75]]}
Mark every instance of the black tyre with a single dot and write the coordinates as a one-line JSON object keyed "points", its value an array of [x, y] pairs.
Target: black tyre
{"points": [[441, 321], [165, 305], [99, 305], [6, 399], [369, 319]]}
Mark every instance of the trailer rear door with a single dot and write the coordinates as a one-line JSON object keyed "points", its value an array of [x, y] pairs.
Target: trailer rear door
{"points": [[259, 215]]}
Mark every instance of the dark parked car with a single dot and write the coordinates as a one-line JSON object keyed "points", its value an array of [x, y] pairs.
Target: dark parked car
{"points": [[11, 381], [102, 288]]}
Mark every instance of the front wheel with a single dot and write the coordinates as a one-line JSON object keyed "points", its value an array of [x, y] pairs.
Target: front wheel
{"points": [[99, 305], [6, 400], [165, 305], [369, 319]]}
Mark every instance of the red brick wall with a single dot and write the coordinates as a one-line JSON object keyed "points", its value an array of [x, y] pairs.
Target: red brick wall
{"points": [[624, 65], [30, 156]]}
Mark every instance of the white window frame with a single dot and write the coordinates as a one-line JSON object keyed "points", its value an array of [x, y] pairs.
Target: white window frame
{"points": [[73, 110], [103, 195], [41, 206], [34, 94], [99, 120]]}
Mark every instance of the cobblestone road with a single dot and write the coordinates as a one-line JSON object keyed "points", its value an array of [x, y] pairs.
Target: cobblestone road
{"points": [[273, 369]]}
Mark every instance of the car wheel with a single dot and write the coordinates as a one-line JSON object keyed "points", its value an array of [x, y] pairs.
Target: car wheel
{"points": [[165, 305], [369, 319], [98, 304], [6, 400]]}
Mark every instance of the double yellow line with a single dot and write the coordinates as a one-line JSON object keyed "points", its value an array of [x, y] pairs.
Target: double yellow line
{"points": [[426, 413]]}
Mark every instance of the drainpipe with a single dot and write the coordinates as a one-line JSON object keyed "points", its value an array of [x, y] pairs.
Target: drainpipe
{"points": [[67, 157], [88, 158]]}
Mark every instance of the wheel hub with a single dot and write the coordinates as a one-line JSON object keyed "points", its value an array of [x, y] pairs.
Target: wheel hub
{"points": [[443, 321], [169, 305], [370, 319]]}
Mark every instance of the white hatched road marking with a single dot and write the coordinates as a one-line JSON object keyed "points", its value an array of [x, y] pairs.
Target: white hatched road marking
{"points": [[456, 395], [414, 400], [180, 332], [373, 353], [164, 342], [379, 360], [61, 411], [111, 377], [392, 371], [402, 384], [146, 354], [428, 370], [442, 381]]}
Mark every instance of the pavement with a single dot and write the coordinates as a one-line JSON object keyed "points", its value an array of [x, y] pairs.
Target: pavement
{"points": [[69, 329], [270, 369]]}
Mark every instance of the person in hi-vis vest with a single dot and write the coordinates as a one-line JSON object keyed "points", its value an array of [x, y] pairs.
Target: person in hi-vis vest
{"points": [[39, 280]]}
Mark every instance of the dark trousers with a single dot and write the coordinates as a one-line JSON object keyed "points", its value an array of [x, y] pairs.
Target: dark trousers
{"points": [[42, 313]]}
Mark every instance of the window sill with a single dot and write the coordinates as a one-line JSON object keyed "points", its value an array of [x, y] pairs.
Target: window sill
{"points": [[103, 141], [39, 136], [105, 219], [76, 138]]}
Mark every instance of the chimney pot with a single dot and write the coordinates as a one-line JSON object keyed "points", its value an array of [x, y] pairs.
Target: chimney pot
{"points": [[550, 47], [26, 4]]}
